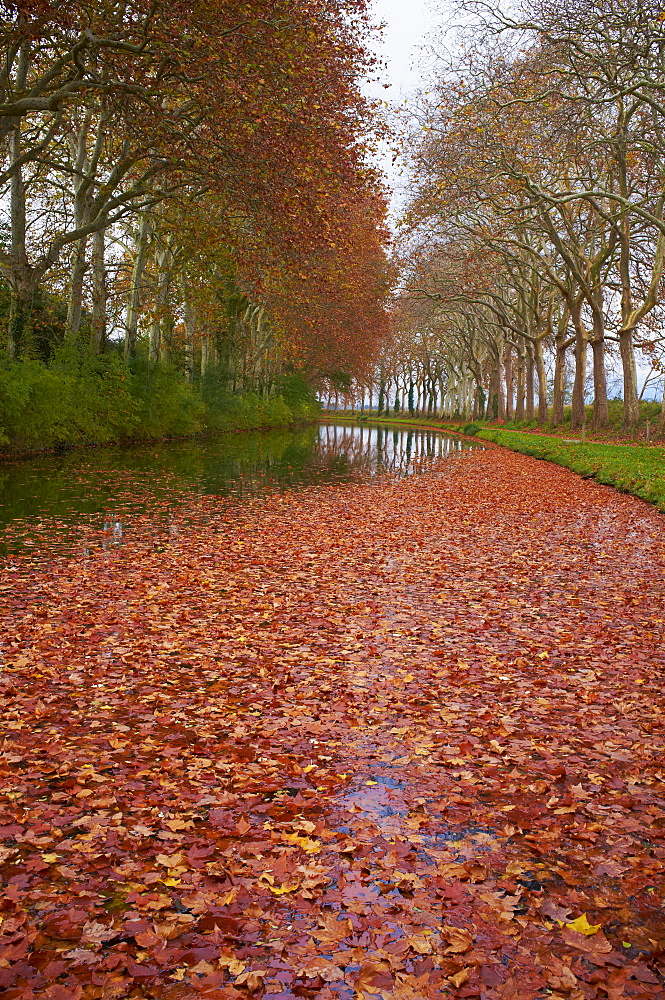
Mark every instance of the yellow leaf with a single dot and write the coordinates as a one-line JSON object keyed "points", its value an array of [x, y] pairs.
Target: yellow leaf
{"points": [[235, 967], [310, 767], [178, 824], [281, 890], [50, 859], [169, 860], [459, 978], [582, 926], [311, 846], [171, 881], [371, 782]]}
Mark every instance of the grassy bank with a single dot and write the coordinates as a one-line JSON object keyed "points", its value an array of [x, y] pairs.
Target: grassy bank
{"points": [[631, 468], [645, 431], [80, 399], [635, 469]]}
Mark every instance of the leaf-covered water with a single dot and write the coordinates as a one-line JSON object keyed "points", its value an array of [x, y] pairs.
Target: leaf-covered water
{"points": [[396, 737], [92, 497]]}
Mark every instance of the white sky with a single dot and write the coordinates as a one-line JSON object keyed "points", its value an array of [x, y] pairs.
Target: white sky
{"points": [[406, 27]]}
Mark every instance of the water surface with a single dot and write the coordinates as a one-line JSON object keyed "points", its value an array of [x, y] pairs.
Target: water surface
{"points": [[59, 499]]}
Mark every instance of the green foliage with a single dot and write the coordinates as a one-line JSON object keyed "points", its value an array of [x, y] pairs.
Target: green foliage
{"points": [[69, 401], [80, 398], [382, 397], [629, 468], [166, 405], [299, 396], [45, 322], [471, 429]]}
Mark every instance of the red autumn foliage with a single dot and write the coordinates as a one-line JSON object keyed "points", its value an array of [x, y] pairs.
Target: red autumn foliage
{"points": [[401, 738]]}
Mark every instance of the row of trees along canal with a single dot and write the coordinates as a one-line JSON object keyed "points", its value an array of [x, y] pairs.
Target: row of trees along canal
{"points": [[188, 184], [534, 237]]}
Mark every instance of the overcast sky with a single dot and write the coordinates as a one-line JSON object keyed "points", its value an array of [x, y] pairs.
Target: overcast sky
{"points": [[406, 27]]}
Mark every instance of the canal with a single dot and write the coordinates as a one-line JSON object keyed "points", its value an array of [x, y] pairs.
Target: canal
{"points": [[90, 497]]}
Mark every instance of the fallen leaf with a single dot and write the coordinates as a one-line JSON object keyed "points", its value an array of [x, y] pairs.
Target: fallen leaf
{"points": [[582, 925]]}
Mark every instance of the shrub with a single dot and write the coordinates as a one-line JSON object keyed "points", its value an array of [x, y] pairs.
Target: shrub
{"points": [[81, 398]]}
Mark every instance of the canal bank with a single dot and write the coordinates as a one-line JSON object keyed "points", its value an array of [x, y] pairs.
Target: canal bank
{"points": [[629, 468]]}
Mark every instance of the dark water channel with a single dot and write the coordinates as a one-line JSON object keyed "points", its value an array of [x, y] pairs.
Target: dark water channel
{"points": [[58, 500]]}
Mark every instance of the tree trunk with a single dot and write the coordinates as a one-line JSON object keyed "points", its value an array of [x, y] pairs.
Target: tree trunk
{"points": [[542, 383], [631, 406], [157, 347], [19, 323], [501, 396], [382, 396], [205, 353], [530, 372], [479, 400], [519, 403], [494, 393], [75, 304], [190, 327], [82, 215], [98, 337], [600, 409], [468, 402], [508, 374], [578, 415], [21, 294], [134, 299]]}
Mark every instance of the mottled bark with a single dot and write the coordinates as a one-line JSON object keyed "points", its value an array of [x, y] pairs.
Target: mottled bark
{"points": [[508, 375], [98, 261], [600, 407], [79, 266], [134, 298], [542, 382], [520, 385], [631, 406], [19, 276], [530, 373]]}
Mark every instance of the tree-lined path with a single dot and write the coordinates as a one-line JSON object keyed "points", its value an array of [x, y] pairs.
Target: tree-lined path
{"points": [[400, 738]]}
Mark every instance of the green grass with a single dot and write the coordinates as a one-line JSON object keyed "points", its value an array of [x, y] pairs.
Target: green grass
{"points": [[635, 469]]}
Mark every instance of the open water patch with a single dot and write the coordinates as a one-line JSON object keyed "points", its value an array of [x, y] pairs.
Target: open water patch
{"points": [[86, 500]]}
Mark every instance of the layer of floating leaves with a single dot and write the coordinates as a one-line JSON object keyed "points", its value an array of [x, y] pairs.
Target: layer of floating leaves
{"points": [[396, 739]]}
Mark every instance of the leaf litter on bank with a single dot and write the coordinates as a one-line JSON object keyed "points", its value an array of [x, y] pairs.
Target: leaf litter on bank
{"points": [[400, 739]]}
